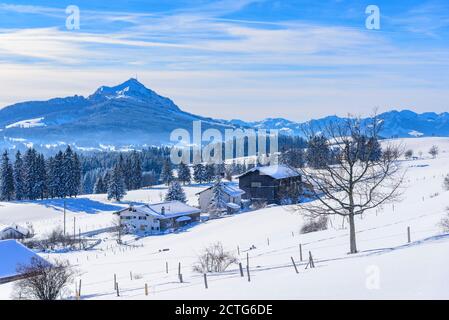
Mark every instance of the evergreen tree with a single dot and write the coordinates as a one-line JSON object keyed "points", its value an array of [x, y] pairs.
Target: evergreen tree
{"points": [[136, 171], [40, 188], [175, 192], [68, 167], [7, 179], [218, 203], [99, 186], [127, 173], [19, 177], [199, 173], [116, 184], [75, 186], [210, 174], [184, 173], [318, 153], [31, 174], [375, 148], [167, 173], [220, 170], [56, 176], [293, 158]]}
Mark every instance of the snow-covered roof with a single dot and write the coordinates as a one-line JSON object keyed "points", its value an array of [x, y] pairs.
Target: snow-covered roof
{"points": [[233, 205], [172, 209], [15, 227], [14, 254], [183, 218], [275, 171], [230, 188]]}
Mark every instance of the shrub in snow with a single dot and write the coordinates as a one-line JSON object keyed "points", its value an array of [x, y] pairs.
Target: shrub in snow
{"points": [[313, 225], [408, 154], [258, 204], [434, 151], [43, 281], [444, 223], [446, 183], [214, 259]]}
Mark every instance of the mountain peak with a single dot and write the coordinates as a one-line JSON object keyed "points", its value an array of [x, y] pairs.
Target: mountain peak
{"points": [[131, 88]]}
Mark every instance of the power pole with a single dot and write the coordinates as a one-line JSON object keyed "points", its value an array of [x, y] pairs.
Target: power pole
{"points": [[64, 217]]}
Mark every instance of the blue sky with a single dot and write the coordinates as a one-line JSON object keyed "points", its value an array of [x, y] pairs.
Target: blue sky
{"points": [[246, 59]]}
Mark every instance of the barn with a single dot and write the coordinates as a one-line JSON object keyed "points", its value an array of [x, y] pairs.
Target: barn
{"points": [[270, 184]]}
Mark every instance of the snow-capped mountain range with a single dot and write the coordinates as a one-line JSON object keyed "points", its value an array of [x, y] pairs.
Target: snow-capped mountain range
{"points": [[132, 116]]}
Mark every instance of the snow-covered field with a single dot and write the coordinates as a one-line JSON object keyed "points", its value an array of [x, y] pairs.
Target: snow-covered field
{"points": [[387, 267]]}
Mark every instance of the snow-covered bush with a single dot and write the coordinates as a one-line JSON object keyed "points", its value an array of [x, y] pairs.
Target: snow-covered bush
{"points": [[408, 154], [444, 223], [43, 281], [446, 183], [258, 204], [313, 225], [214, 259]]}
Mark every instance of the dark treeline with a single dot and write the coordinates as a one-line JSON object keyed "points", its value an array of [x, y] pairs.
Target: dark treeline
{"points": [[318, 153], [139, 168], [30, 176]]}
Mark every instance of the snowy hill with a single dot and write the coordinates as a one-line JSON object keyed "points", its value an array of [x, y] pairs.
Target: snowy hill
{"points": [[387, 266]]}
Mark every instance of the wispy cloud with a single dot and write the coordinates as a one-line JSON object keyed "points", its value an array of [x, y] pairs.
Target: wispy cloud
{"points": [[205, 56]]}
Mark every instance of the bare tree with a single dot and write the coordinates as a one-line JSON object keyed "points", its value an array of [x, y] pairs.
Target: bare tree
{"points": [[214, 259], [42, 280], [119, 228], [434, 151], [360, 178]]}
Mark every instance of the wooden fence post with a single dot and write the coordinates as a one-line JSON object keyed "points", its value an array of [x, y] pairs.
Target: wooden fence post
{"points": [[79, 290], [115, 281], [117, 290], [247, 271], [166, 266], [294, 264], [131, 275], [205, 281], [146, 289], [312, 264], [300, 252], [180, 278], [241, 270], [409, 238], [238, 250], [179, 268]]}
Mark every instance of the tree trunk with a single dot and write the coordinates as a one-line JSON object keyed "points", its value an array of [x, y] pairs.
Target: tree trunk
{"points": [[352, 239]]}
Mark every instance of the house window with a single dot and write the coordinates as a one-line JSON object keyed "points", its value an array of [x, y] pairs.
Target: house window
{"points": [[256, 184]]}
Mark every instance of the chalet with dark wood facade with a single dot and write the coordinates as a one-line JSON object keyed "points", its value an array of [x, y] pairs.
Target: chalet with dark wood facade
{"points": [[270, 184]]}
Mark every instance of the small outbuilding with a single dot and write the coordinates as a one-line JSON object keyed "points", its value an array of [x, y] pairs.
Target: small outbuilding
{"points": [[232, 195], [154, 218]]}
